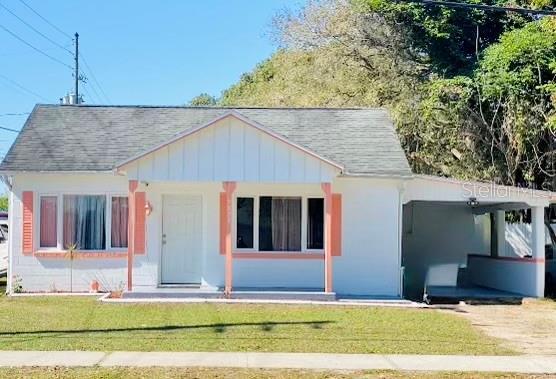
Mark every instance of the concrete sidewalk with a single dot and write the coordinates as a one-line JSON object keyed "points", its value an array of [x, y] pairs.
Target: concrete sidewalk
{"points": [[511, 364]]}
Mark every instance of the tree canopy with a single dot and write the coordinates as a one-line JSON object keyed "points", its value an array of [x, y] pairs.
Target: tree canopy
{"points": [[203, 99], [472, 92], [501, 118]]}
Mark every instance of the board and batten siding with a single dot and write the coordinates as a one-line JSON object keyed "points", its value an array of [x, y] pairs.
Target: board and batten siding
{"points": [[231, 150]]}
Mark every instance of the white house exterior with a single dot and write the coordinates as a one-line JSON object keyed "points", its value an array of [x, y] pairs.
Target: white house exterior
{"points": [[226, 199]]}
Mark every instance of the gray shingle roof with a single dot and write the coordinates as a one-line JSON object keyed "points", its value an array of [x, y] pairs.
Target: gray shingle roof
{"points": [[96, 138]]}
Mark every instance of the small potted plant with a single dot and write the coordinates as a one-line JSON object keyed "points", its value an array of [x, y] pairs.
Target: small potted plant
{"points": [[95, 286], [17, 286], [116, 293], [70, 254]]}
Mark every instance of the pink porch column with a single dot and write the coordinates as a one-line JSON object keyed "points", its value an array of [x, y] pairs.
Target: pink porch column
{"points": [[326, 187], [130, 232], [229, 188]]}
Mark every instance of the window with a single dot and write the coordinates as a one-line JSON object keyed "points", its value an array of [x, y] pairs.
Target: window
{"points": [[315, 223], [84, 222], [279, 223], [119, 222], [48, 222], [244, 223]]}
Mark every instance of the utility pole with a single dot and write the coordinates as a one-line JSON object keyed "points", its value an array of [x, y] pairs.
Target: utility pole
{"points": [[77, 68]]}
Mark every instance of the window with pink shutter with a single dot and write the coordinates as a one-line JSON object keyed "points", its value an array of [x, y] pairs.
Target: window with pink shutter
{"points": [[48, 222], [119, 221]]}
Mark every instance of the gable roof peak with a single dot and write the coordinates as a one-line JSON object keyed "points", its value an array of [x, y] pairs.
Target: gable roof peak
{"points": [[237, 115]]}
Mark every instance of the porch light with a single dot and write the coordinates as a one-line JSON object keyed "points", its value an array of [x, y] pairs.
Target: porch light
{"points": [[148, 208], [472, 202]]}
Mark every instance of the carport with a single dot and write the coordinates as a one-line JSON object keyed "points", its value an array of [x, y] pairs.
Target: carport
{"points": [[454, 236]]}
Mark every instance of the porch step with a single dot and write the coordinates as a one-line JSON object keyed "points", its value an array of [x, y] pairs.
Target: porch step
{"points": [[173, 295], [284, 295]]}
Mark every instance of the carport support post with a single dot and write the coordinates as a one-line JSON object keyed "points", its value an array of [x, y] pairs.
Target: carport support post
{"points": [[500, 220], [538, 241]]}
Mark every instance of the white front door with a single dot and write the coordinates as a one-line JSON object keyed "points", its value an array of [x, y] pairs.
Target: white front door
{"points": [[181, 239]]}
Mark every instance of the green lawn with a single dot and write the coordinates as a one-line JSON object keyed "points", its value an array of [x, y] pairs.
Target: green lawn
{"points": [[134, 373], [82, 323]]}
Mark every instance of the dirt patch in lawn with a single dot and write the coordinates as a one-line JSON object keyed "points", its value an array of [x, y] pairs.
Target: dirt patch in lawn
{"points": [[529, 328]]}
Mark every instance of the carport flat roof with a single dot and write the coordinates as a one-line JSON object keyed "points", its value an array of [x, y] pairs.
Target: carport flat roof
{"points": [[449, 190]]}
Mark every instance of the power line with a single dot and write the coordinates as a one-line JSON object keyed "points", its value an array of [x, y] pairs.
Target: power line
{"points": [[94, 78], [88, 95], [45, 20], [80, 75], [35, 48], [14, 114], [9, 129], [451, 4], [80, 55], [35, 30], [23, 88], [90, 85], [98, 98]]}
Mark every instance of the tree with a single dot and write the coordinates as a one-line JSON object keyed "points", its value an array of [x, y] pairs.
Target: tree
{"points": [[500, 122], [204, 99], [4, 203], [472, 93], [305, 79], [326, 59], [449, 39]]}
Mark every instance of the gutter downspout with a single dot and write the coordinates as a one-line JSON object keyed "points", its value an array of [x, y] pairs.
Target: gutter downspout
{"points": [[9, 274]]}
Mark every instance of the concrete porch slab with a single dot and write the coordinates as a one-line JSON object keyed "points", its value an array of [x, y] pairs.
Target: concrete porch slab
{"points": [[366, 302], [240, 294], [469, 293]]}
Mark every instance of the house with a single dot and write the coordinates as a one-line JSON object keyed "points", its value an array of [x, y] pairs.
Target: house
{"points": [[223, 200]]}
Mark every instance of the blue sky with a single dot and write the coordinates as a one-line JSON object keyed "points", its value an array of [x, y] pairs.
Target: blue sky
{"points": [[141, 52]]}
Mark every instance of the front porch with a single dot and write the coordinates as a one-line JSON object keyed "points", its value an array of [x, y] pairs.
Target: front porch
{"points": [[198, 239], [232, 204]]}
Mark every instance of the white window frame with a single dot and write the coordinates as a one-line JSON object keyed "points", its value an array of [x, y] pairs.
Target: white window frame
{"points": [[255, 223], [60, 220], [306, 202], [109, 246], [256, 206]]}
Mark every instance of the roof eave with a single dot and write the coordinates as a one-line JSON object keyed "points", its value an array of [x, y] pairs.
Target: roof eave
{"points": [[55, 172], [382, 175]]}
